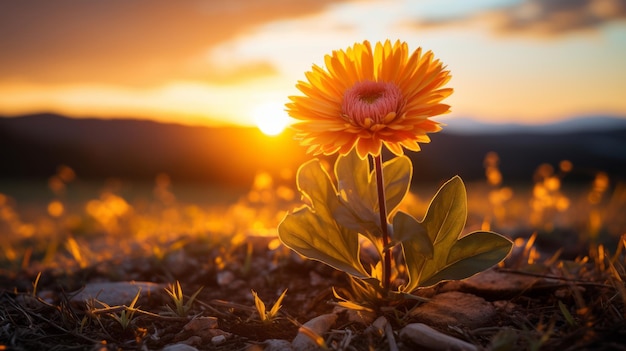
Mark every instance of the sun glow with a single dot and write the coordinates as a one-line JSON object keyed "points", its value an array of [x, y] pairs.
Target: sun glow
{"points": [[270, 117]]}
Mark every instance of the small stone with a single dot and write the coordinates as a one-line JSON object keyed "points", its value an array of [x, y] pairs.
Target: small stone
{"points": [[205, 328], [179, 347], [201, 323], [377, 328], [225, 278], [119, 293], [277, 345], [218, 339], [455, 308], [495, 283], [316, 326], [426, 337]]}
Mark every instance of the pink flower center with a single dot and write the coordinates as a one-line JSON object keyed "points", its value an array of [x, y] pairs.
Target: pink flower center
{"points": [[370, 103]]}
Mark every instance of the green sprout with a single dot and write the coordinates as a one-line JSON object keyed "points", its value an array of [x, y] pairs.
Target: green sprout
{"points": [[35, 285], [122, 314], [181, 308], [264, 315]]}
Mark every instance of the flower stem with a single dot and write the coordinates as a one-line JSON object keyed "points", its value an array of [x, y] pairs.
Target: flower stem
{"points": [[382, 206]]}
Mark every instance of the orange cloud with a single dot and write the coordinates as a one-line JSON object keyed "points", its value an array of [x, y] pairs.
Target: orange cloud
{"points": [[540, 17], [556, 17], [136, 43]]}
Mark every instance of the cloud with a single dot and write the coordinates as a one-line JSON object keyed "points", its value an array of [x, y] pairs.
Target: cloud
{"points": [[138, 43], [541, 17], [554, 17]]}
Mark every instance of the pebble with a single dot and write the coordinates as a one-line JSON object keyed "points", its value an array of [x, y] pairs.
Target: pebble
{"points": [[201, 330], [218, 339], [424, 336], [201, 323], [455, 308], [277, 345], [225, 278], [119, 293], [495, 283], [318, 325], [179, 347]]}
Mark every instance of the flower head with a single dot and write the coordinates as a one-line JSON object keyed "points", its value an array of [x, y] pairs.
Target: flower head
{"points": [[367, 97]]}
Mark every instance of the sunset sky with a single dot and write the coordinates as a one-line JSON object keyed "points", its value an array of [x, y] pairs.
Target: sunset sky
{"points": [[208, 62]]}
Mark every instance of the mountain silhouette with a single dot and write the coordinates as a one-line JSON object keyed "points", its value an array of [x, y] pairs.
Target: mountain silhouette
{"points": [[33, 146]]}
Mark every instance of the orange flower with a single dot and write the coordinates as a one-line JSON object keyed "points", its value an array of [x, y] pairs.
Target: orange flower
{"points": [[369, 97]]}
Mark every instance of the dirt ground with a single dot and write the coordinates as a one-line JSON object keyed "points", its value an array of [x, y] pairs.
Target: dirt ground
{"points": [[545, 304]]}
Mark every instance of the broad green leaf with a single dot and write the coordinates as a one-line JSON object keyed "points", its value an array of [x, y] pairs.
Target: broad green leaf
{"points": [[412, 234], [358, 191], [416, 245], [446, 214], [471, 254], [353, 178], [397, 174], [313, 231], [364, 222], [357, 209], [452, 258], [319, 238], [314, 182], [444, 221]]}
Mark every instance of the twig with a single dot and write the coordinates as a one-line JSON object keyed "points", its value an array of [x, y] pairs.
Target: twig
{"points": [[54, 325], [571, 280]]}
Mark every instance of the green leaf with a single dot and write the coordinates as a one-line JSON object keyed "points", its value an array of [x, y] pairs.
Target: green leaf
{"points": [[416, 245], [313, 232], [444, 221], [314, 182], [446, 214], [397, 174], [353, 178], [471, 254], [412, 235], [359, 209], [452, 258], [316, 237]]}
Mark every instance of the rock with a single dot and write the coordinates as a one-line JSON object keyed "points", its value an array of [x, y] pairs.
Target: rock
{"points": [[179, 347], [382, 327], [119, 293], [313, 329], [203, 328], [199, 324], [495, 283], [377, 328], [424, 336], [218, 339], [277, 345], [225, 278], [455, 308]]}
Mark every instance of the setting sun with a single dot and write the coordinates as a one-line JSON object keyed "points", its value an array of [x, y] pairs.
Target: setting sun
{"points": [[270, 117]]}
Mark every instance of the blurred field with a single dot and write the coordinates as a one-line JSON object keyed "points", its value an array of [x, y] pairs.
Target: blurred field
{"points": [[69, 222]]}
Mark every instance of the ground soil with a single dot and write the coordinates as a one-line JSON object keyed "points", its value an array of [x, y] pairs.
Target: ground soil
{"points": [[571, 305]]}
